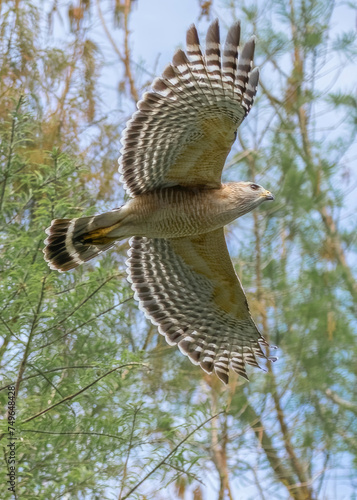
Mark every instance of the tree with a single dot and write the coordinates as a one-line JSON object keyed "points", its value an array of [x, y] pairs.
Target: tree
{"points": [[103, 406]]}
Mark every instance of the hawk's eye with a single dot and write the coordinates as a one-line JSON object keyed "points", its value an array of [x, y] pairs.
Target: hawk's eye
{"points": [[254, 187]]}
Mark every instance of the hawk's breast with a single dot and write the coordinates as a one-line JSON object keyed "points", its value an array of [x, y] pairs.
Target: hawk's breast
{"points": [[180, 211]]}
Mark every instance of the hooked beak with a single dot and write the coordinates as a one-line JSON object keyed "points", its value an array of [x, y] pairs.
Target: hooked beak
{"points": [[268, 195]]}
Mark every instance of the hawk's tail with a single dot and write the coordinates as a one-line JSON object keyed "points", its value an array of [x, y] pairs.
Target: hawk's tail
{"points": [[71, 242]]}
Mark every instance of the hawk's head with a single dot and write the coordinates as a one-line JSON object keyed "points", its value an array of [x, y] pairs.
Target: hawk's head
{"points": [[245, 196]]}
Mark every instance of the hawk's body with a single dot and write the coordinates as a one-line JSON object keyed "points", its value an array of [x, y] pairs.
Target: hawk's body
{"points": [[176, 212], [174, 149]]}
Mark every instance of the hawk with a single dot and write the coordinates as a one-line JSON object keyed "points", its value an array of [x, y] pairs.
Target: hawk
{"points": [[174, 150]]}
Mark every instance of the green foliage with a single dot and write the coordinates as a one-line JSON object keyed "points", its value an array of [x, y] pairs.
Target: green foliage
{"points": [[81, 399], [104, 406]]}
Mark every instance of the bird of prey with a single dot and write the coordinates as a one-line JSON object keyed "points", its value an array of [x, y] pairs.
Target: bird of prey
{"points": [[174, 150]]}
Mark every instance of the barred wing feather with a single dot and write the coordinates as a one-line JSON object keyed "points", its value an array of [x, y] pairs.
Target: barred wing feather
{"points": [[184, 129], [188, 287]]}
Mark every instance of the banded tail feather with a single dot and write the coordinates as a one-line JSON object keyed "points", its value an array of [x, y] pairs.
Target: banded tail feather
{"points": [[70, 242]]}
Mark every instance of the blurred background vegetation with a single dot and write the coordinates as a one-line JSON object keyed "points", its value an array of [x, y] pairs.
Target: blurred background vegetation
{"points": [[105, 408]]}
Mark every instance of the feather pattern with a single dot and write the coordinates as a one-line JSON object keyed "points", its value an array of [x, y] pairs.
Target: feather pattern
{"points": [[65, 245], [188, 287], [184, 129]]}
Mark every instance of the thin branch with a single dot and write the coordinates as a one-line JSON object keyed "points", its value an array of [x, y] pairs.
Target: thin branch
{"points": [[169, 455], [75, 394], [83, 324], [219, 450], [6, 339], [102, 434], [125, 471], [60, 368], [107, 32], [126, 58], [59, 112], [300, 472], [40, 372], [77, 307], [11, 146], [340, 401], [55, 388], [283, 474], [27, 349], [186, 472], [129, 75], [33, 328]]}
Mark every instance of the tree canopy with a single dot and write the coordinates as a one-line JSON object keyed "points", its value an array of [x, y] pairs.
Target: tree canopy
{"points": [[104, 407]]}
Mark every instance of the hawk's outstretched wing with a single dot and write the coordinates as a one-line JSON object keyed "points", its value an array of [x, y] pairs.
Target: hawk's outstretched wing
{"points": [[188, 287], [184, 130]]}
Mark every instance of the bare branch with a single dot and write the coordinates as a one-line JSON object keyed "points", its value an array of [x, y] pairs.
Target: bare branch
{"points": [[340, 401], [169, 455], [125, 471], [125, 59]]}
